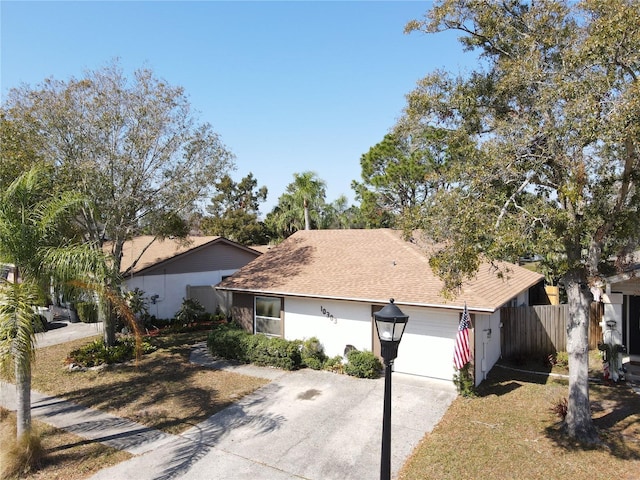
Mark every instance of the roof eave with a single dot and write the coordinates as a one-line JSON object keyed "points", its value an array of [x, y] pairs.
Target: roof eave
{"points": [[360, 300]]}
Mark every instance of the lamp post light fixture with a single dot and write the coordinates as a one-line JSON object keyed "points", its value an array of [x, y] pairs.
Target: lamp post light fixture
{"points": [[390, 324]]}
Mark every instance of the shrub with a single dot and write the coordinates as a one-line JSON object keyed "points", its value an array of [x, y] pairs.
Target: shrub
{"points": [[362, 364], [190, 311], [137, 303], [312, 354], [463, 380], [229, 341], [275, 352], [96, 353], [334, 364], [87, 312]]}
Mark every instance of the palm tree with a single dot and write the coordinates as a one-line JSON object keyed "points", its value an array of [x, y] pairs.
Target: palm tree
{"points": [[30, 238], [17, 343], [338, 214], [308, 191]]}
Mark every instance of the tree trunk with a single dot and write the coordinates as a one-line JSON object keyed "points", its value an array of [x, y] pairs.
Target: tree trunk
{"points": [[307, 218], [108, 322], [578, 421], [23, 395]]}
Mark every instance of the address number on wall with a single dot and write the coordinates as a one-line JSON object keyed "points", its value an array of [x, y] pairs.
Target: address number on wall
{"points": [[326, 313]]}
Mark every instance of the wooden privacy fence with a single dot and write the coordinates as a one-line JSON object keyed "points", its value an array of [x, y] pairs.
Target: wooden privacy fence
{"points": [[542, 329]]}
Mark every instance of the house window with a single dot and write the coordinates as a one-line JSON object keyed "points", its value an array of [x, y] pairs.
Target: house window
{"points": [[267, 316]]}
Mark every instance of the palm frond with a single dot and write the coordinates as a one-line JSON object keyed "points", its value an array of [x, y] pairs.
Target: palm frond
{"points": [[17, 316], [81, 263], [50, 212]]}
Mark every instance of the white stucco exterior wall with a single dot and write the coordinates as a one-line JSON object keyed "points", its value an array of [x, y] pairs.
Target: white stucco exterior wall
{"points": [[427, 344], [171, 289], [487, 344], [342, 324]]}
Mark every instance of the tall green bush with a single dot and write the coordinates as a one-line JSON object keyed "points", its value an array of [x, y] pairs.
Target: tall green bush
{"points": [[312, 353], [362, 364], [231, 342], [190, 311], [275, 352]]}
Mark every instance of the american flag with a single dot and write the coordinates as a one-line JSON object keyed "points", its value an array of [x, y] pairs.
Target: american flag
{"points": [[462, 351]]}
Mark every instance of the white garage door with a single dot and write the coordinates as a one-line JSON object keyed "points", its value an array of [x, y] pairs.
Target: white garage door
{"points": [[426, 348]]}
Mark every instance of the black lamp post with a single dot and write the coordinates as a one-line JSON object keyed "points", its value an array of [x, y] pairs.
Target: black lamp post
{"points": [[390, 323]]}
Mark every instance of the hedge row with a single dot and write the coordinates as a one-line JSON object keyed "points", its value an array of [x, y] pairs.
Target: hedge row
{"points": [[229, 341], [232, 343]]}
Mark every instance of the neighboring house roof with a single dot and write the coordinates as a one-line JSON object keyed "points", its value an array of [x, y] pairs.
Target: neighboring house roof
{"points": [[628, 280], [165, 250], [262, 248], [371, 266]]}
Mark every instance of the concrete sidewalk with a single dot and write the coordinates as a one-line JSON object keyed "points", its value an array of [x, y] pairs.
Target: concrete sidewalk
{"points": [[62, 331], [89, 423]]}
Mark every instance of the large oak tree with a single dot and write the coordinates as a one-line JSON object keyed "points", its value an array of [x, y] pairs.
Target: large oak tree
{"points": [[553, 108]]}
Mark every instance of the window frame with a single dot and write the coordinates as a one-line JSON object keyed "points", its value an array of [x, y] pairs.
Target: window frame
{"points": [[267, 318]]}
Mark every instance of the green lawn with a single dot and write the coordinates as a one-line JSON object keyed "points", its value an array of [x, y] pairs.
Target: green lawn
{"points": [[510, 432]]}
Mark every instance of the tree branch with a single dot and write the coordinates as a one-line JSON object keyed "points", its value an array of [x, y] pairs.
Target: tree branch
{"points": [[510, 200]]}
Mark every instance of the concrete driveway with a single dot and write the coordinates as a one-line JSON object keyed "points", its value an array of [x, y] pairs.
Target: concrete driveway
{"points": [[304, 424], [62, 331]]}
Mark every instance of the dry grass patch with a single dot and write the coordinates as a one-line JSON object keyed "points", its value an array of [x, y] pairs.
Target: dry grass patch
{"points": [[161, 390], [510, 431], [66, 456]]}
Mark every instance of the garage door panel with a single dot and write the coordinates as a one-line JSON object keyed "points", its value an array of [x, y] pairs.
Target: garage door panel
{"points": [[426, 348], [430, 329]]}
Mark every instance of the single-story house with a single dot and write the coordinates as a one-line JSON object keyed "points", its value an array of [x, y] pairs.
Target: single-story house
{"points": [[328, 283], [621, 298], [173, 269]]}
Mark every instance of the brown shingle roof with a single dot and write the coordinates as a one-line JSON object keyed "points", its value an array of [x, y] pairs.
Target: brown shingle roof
{"points": [[158, 251], [372, 266]]}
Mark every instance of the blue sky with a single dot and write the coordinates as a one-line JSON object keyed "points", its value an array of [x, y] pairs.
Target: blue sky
{"points": [[290, 86]]}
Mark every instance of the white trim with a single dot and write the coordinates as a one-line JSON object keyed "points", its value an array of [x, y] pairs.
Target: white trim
{"points": [[362, 300]]}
